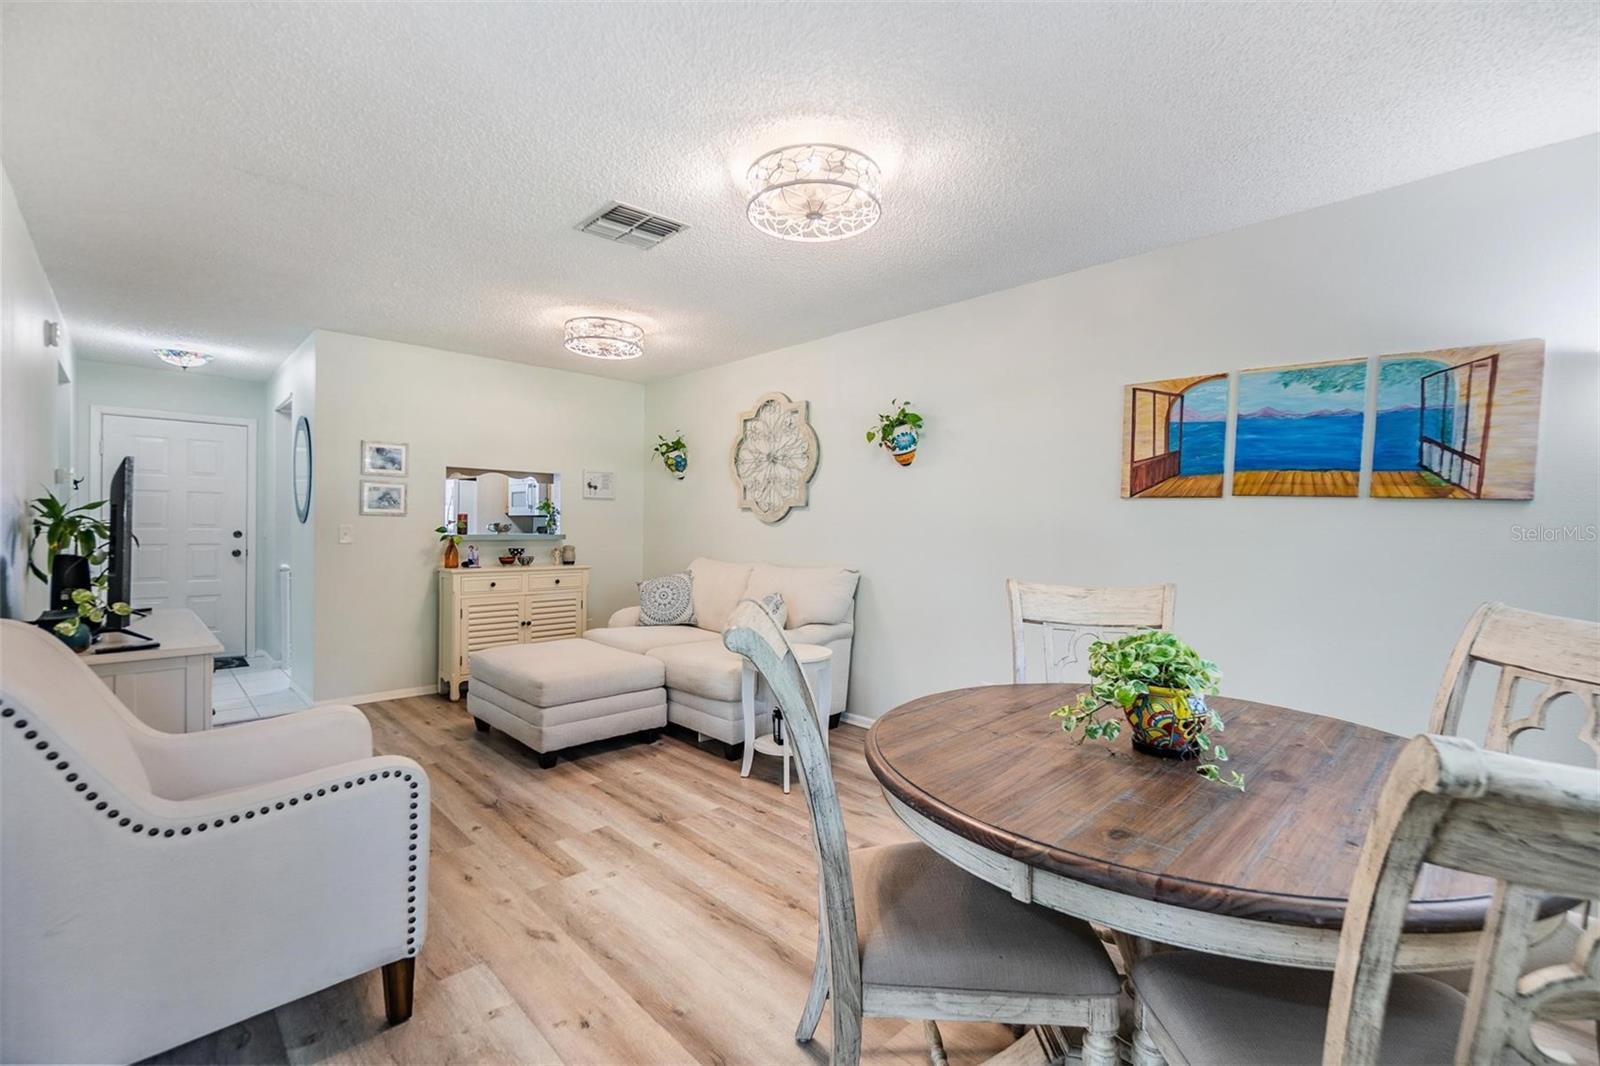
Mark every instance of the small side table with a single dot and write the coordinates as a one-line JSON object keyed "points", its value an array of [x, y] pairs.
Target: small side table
{"points": [[816, 662]]}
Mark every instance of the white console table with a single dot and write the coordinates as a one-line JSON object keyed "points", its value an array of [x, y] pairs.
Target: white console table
{"points": [[167, 688]]}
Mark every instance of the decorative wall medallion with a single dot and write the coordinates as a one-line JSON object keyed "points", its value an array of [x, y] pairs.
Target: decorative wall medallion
{"points": [[774, 456]]}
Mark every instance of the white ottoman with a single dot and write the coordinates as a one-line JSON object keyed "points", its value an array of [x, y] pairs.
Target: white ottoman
{"points": [[559, 693], [703, 691]]}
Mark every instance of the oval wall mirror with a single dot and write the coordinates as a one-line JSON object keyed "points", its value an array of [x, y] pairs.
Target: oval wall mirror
{"points": [[302, 468]]}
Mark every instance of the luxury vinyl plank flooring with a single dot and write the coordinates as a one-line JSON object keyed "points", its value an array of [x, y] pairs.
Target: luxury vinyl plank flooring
{"points": [[641, 903]]}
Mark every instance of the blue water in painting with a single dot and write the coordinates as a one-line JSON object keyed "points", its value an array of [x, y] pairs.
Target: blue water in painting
{"points": [[1317, 442], [1202, 447], [1324, 442], [1398, 431]]}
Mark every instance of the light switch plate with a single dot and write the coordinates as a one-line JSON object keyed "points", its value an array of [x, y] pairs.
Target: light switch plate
{"points": [[347, 534]]}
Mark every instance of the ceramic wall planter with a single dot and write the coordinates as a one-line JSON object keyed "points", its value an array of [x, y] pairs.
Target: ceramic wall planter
{"points": [[1166, 722], [676, 462], [903, 444]]}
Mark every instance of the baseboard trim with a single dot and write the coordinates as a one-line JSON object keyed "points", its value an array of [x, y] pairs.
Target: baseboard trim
{"points": [[856, 719], [375, 697]]}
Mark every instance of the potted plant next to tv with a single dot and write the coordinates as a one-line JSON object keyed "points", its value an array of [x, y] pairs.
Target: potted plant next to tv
{"points": [[899, 430], [1160, 684], [72, 535]]}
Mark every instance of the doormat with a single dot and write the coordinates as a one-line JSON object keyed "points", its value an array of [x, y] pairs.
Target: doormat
{"points": [[230, 662]]}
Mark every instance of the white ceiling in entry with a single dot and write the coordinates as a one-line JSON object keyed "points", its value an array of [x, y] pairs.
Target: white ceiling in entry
{"points": [[228, 177]]}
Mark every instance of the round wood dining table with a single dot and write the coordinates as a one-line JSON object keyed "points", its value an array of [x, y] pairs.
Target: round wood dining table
{"points": [[1147, 847]]}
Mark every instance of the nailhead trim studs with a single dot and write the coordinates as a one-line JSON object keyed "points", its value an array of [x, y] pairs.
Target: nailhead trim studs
{"points": [[138, 828]]}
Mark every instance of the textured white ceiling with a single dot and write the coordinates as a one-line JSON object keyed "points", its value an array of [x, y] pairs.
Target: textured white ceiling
{"points": [[231, 176]]}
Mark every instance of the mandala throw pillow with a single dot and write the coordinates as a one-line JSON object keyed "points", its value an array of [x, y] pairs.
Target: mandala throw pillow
{"points": [[667, 601]]}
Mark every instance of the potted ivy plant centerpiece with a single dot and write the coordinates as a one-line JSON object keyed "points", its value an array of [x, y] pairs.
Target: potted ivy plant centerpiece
{"points": [[674, 454], [552, 515], [1160, 684], [898, 431]]}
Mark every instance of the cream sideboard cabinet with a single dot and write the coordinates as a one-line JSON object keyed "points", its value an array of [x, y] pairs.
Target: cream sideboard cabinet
{"points": [[486, 607]]}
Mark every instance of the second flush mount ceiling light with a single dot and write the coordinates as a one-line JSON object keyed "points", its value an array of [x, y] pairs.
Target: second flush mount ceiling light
{"points": [[813, 192], [604, 338]]}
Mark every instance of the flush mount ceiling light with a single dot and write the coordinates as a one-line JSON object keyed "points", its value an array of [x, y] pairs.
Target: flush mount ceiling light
{"points": [[604, 338], [182, 359], [813, 192]]}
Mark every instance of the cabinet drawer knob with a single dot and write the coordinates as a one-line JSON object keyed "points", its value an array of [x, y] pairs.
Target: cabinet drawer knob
{"points": [[493, 583], [558, 581]]}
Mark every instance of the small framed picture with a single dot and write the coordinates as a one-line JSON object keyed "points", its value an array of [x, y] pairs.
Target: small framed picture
{"points": [[383, 497], [384, 460], [599, 485]]}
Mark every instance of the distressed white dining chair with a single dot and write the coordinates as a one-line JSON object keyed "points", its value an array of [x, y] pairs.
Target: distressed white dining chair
{"points": [[1533, 826], [905, 934], [1072, 618], [1558, 659], [1562, 655]]}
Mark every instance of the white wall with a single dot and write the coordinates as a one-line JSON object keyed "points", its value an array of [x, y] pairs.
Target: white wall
{"points": [[284, 538], [1344, 607], [31, 415], [179, 392], [376, 599]]}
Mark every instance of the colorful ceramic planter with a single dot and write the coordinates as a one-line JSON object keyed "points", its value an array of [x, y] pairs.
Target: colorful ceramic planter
{"points": [[1166, 722], [903, 445], [676, 463]]}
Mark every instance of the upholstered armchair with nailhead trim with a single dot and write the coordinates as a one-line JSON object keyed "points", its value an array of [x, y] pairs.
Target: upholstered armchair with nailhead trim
{"points": [[157, 887]]}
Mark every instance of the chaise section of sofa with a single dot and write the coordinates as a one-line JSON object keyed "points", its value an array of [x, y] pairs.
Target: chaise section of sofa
{"points": [[702, 677]]}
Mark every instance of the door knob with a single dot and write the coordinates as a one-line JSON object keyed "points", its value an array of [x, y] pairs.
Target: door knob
{"points": [[237, 553], [238, 533]]}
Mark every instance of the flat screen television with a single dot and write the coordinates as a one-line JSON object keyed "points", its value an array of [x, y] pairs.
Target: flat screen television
{"points": [[119, 557]]}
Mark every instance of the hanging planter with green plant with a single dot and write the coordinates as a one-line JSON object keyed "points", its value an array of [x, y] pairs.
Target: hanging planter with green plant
{"points": [[674, 454], [1160, 684], [899, 430]]}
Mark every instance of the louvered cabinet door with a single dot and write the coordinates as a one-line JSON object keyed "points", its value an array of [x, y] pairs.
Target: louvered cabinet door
{"points": [[490, 623], [553, 616]]}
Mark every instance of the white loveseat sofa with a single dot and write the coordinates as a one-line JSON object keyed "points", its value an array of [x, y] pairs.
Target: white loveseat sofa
{"points": [[702, 677]]}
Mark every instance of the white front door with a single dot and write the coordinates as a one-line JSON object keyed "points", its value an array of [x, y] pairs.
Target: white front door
{"points": [[190, 515]]}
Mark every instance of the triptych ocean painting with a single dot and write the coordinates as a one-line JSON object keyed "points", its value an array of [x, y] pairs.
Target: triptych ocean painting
{"points": [[1456, 423]]}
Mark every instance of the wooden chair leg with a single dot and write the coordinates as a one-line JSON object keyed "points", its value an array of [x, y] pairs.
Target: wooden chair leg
{"points": [[1100, 1048], [818, 995], [398, 979], [936, 1053]]}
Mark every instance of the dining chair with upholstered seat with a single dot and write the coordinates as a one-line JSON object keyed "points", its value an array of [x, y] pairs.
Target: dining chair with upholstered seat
{"points": [[905, 934], [1078, 617], [1533, 826], [1560, 659]]}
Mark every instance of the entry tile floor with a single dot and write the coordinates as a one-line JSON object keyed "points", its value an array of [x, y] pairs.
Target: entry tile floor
{"points": [[260, 690]]}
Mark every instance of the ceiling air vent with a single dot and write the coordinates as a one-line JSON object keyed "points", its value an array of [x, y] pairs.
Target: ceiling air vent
{"points": [[629, 225]]}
